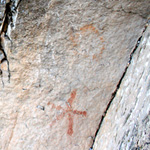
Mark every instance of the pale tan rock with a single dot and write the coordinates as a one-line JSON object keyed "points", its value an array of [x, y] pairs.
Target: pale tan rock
{"points": [[127, 122], [65, 64]]}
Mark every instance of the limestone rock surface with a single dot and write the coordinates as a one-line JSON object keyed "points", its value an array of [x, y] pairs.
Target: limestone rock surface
{"points": [[66, 61]]}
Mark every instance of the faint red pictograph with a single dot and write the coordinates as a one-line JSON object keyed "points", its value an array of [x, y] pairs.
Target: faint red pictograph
{"points": [[69, 111], [76, 38]]}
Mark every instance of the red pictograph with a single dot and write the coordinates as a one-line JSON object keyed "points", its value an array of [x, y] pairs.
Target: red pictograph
{"points": [[69, 111]]}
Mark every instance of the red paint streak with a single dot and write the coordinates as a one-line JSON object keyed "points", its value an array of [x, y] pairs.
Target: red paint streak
{"points": [[69, 111], [48, 103], [102, 49], [54, 106], [72, 97], [84, 113], [70, 126], [89, 27], [102, 39]]}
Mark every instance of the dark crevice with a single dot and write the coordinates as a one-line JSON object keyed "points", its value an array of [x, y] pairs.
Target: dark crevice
{"points": [[117, 87], [8, 23]]}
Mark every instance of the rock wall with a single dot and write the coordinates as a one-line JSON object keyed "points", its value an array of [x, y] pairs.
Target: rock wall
{"points": [[127, 122], [66, 61]]}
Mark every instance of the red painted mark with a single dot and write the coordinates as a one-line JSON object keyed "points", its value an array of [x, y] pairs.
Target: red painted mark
{"points": [[89, 27], [69, 111], [102, 49], [85, 31], [70, 126], [102, 39], [98, 55]]}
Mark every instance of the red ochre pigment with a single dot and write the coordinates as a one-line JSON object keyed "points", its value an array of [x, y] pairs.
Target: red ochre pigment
{"points": [[68, 111]]}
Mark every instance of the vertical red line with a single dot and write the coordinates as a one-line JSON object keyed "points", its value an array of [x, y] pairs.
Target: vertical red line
{"points": [[72, 97], [70, 126]]}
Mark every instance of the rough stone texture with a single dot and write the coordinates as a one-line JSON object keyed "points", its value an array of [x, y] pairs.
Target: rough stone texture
{"points": [[2, 9], [127, 122], [66, 61]]}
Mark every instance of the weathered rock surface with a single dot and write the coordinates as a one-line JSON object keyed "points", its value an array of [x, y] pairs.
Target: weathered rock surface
{"points": [[127, 122], [66, 61], [2, 9]]}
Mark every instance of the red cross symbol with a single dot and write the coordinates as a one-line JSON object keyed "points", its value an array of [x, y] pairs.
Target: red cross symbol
{"points": [[68, 111]]}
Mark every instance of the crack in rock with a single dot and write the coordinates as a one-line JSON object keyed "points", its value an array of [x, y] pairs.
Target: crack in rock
{"points": [[8, 24]]}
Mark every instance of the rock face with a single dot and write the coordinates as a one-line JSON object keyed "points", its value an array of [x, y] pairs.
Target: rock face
{"points": [[127, 122], [66, 61], [2, 9]]}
